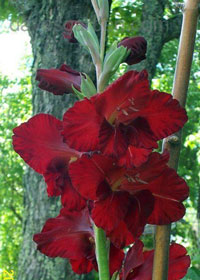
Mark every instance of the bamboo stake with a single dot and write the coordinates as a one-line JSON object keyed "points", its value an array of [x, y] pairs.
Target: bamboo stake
{"points": [[173, 143]]}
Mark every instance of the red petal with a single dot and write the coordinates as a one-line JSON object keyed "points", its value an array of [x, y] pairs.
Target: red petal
{"points": [[140, 209], [163, 114], [169, 116], [134, 157], [111, 140], [67, 236], [137, 179], [81, 266], [179, 262], [56, 176], [132, 84], [71, 199], [121, 236], [88, 175], [81, 126], [169, 191], [108, 213], [134, 258], [39, 141], [116, 259], [141, 135]]}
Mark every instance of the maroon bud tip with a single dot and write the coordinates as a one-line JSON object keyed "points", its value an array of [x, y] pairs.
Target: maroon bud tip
{"points": [[137, 47], [68, 33]]}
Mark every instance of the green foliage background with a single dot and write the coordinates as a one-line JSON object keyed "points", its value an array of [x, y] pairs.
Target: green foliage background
{"points": [[15, 107]]}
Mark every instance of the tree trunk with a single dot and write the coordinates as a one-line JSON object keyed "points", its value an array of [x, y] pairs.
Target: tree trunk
{"points": [[157, 31], [45, 21]]}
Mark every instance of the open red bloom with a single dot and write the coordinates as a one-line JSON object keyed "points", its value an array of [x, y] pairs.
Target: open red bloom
{"points": [[137, 47], [138, 265], [59, 81], [125, 121], [125, 200], [121, 214], [40, 143], [70, 235]]}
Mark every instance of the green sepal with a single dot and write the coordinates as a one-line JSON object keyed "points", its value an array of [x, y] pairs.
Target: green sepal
{"points": [[112, 48], [115, 276], [79, 94], [114, 57], [93, 34], [88, 39], [87, 87]]}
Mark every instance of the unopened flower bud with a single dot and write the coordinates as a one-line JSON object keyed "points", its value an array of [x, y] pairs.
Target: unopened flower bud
{"points": [[59, 81], [68, 33], [137, 47]]}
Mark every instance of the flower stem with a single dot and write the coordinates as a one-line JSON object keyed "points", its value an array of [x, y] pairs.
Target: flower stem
{"points": [[103, 38], [101, 243], [180, 86], [102, 253]]}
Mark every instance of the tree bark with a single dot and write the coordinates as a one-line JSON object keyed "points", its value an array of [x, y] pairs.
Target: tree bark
{"points": [[157, 31], [45, 22]]}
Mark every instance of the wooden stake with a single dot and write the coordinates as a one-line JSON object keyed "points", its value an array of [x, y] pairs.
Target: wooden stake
{"points": [[173, 143]]}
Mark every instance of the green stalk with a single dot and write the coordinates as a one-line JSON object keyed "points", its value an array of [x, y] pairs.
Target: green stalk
{"points": [[102, 253], [173, 143], [101, 243]]}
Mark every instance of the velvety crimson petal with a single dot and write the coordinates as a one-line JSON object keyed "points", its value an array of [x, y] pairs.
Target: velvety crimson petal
{"points": [[134, 157], [81, 126], [141, 207], [132, 84], [121, 236], [169, 191], [68, 235], [137, 179], [88, 175], [81, 266], [111, 140], [163, 114], [115, 260], [70, 198], [108, 213], [134, 258], [39, 141], [169, 116], [58, 81], [56, 176], [179, 262], [141, 135]]}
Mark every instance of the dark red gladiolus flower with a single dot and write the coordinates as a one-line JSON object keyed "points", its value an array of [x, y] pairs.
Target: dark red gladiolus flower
{"points": [[59, 81], [40, 143], [124, 121], [138, 265], [69, 34], [121, 214], [137, 47], [70, 235], [125, 200]]}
